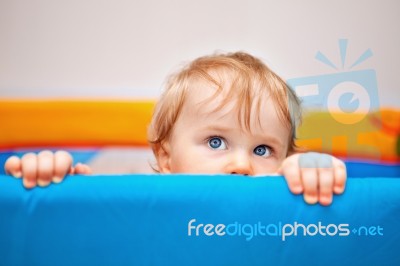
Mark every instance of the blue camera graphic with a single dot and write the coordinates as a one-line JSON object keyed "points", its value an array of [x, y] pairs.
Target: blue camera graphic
{"points": [[347, 99], [348, 96]]}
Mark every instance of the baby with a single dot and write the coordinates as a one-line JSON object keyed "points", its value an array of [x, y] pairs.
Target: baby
{"points": [[225, 113]]}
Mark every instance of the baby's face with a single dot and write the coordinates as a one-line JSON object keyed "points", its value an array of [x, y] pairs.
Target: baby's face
{"points": [[207, 141]]}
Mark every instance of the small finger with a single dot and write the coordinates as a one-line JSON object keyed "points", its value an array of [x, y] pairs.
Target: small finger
{"points": [[325, 176], [340, 176], [309, 177], [29, 170], [291, 171], [45, 161], [82, 169], [62, 165], [13, 167]]}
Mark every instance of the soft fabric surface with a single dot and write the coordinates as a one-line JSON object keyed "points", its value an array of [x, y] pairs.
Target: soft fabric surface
{"points": [[143, 220]]}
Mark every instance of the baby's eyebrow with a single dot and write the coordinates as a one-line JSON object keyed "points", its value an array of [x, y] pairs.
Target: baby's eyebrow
{"points": [[273, 141]]}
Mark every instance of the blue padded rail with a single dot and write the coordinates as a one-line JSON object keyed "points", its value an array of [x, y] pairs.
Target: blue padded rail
{"points": [[145, 220]]}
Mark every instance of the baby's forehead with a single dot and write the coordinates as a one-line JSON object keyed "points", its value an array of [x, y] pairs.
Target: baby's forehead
{"points": [[203, 96], [224, 87], [206, 102]]}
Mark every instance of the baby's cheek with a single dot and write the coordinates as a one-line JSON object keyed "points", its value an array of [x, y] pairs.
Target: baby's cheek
{"points": [[182, 164]]}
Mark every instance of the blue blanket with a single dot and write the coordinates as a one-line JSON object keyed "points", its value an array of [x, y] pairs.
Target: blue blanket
{"points": [[196, 220]]}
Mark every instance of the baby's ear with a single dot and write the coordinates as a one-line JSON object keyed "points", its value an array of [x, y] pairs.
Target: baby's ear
{"points": [[163, 158]]}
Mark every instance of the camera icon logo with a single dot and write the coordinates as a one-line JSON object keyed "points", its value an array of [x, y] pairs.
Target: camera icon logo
{"points": [[346, 100], [347, 96]]}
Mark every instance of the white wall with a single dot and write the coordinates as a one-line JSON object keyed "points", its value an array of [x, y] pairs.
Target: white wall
{"points": [[121, 48]]}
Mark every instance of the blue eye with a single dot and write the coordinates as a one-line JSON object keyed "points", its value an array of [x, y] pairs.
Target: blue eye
{"points": [[262, 150], [216, 143]]}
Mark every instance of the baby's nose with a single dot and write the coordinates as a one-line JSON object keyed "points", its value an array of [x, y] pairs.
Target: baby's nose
{"points": [[240, 164]]}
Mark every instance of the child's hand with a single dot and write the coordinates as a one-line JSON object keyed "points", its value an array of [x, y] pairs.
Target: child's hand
{"points": [[43, 168], [316, 175]]}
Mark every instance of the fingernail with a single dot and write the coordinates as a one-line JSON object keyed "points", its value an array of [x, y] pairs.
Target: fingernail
{"points": [[57, 179], [310, 199], [297, 189], [29, 183], [17, 174], [338, 190], [43, 183], [325, 200]]}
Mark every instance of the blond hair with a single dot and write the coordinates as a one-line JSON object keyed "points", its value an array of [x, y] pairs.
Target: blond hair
{"points": [[251, 80]]}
